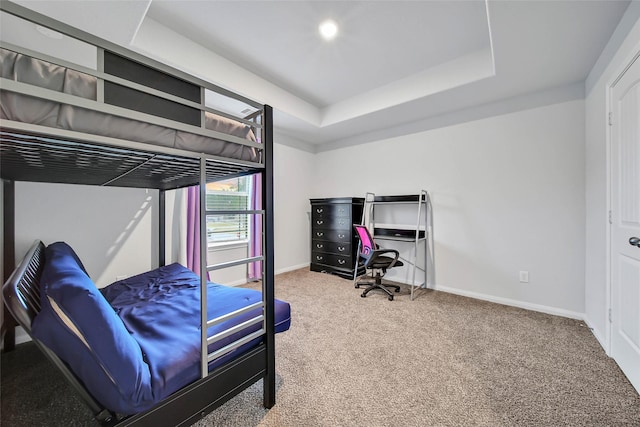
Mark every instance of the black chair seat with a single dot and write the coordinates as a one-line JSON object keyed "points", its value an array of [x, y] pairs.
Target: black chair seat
{"points": [[384, 262], [376, 260]]}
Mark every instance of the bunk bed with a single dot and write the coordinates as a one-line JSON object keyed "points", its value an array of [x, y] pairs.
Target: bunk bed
{"points": [[135, 122]]}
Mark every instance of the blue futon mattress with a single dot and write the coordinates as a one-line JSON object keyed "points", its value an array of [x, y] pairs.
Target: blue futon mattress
{"points": [[136, 341]]}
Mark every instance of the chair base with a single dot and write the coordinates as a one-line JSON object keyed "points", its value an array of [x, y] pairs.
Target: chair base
{"points": [[377, 284]]}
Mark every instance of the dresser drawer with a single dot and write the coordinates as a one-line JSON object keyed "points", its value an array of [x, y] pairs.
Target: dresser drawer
{"points": [[338, 236], [343, 261], [339, 248], [332, 223], [334, 210]]}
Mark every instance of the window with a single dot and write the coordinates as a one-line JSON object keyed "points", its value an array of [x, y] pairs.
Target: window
{"points": [[230, 194]]}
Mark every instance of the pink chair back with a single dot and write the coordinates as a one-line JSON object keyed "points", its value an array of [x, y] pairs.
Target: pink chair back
{"points": [[366, 241]]}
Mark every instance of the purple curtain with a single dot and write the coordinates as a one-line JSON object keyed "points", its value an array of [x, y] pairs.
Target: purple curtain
{"points": [[255, 240], [193, 229]]}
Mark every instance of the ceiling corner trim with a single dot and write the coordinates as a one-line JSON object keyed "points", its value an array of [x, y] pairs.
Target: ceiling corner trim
{"points": [[284, 138], [143, 15], [473, 67], [557, 95], [490, 34], [630, 18]]}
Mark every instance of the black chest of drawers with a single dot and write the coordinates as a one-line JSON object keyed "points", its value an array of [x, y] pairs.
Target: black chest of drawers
{"points": [[333, 242]]}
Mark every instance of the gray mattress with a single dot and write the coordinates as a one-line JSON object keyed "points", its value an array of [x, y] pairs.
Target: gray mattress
{"points": [[28, 109]]}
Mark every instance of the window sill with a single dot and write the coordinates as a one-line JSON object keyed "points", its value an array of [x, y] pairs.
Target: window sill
{"points": [[223, 246]]}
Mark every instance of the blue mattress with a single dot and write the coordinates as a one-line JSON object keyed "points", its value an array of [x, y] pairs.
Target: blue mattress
{"points": [[161, 311], [136, 341]]}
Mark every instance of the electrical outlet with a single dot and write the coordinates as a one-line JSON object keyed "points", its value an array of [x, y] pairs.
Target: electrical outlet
{"points": [[524, 277]]}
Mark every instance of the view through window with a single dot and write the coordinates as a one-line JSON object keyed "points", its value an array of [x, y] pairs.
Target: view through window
{"points": [[230, 194]]}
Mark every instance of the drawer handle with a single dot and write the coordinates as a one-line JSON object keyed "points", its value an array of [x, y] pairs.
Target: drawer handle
{"points": [[319, 210], [319, 233], [341, 236], [341, 248], [319, 258], [319, 245], [341, 222], [341, 261], [319, 222]]}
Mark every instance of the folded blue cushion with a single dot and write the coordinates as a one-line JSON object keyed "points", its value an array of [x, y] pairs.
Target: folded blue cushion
{"points": [[79, 325]]}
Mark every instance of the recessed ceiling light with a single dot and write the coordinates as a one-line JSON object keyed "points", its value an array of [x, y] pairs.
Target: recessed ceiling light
{"points": [[328, 29], [49, 32]]}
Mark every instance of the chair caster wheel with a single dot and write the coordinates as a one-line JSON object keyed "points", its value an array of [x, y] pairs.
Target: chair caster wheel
{"points": [[357, 286], [397, 290], [390, 297], [363, 295]]}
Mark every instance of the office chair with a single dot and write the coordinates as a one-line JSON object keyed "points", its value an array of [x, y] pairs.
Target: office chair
{"points": [[375, 260]]}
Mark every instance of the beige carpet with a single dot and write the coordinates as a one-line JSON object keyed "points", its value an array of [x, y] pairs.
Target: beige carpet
{"points": [[440, 360]]}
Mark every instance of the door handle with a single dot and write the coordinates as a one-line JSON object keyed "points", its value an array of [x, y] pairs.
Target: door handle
{"points": [[634, 241]]}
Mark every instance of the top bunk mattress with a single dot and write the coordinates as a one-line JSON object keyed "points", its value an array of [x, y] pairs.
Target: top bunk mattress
{"points": [[41, 111]]}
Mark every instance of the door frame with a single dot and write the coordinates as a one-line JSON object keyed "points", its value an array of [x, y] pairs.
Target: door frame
{"points": [[619, 72]]}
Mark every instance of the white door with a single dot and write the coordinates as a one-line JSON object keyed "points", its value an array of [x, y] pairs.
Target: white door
{"points": [[625, 228]]}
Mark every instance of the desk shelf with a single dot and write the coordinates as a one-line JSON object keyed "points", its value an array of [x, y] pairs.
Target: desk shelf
{"points": [[418, 233], [407, 198], [401, 234]]}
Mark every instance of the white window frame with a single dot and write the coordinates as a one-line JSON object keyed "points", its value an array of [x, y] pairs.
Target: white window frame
{"points": [[229, 244]]}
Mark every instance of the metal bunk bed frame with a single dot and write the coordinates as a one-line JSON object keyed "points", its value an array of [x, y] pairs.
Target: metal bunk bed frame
{"points": [[173, 169]]}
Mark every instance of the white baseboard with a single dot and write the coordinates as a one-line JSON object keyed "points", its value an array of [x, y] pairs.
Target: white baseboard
{"points": [[514, 303], [293, 267], [280, 271], [237, 283], [22, 336], [601, 340]]}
